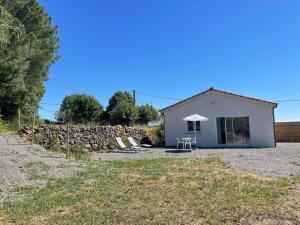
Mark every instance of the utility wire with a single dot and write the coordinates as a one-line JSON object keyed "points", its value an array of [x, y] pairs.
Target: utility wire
{"points": [[49, 104], [154, 96], [57, 104], [157, 96], [47, 110], [178, 99], [289, 100], [103, 99]]}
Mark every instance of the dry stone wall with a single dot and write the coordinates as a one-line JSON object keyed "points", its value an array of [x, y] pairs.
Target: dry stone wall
{"points": [[101, 138]]}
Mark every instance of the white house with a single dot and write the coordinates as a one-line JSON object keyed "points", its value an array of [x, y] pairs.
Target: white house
{"points": [[233, 120]]}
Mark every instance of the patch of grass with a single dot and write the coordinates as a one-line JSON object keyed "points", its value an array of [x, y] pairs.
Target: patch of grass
{"points": [[295, 163], [76, 153], [156, 134], [4, 127], [79, 155], [64, 165], [160, 191], [24, 189], [12, 127], [37, 170], [126, 142]]}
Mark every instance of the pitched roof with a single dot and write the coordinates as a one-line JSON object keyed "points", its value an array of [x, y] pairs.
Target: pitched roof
{"points": [[220, 92]]}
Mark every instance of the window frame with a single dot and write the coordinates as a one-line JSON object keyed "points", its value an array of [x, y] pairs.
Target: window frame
{"points": [[194, 126], [198, 126], [234, 137], [188, 126]]}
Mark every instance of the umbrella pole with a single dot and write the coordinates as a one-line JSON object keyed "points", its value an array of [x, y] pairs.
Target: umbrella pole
{"points": [[195, 135], [195, 139]]}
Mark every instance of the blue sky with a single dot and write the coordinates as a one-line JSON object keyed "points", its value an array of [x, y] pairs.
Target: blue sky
{"points": [[176, 49]]}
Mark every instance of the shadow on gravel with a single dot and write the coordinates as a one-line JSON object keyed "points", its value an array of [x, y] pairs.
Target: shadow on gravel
{"points": [[53, 157], [178, 151]]}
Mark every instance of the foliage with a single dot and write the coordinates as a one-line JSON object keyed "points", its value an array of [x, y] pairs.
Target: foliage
{"points": [[160, 191], [156, 135], [2, 125], [28, 46], [80, 108], [121, 109], [13, 63], [295, 163], [36, 170], [147, 113], [12, 125], [8, 25]]}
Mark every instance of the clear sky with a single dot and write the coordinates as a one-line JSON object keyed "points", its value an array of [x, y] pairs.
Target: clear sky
{"points": [[176, 49]]}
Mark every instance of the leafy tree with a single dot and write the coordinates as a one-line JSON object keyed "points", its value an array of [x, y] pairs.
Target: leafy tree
{"points": [[147, 113], [8, 24], [28, 47], [13, 63], [80, 108], [121, 109]]}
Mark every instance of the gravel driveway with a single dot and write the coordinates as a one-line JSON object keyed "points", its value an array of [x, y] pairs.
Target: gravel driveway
{"points": [[268, 162], [24, 164]]}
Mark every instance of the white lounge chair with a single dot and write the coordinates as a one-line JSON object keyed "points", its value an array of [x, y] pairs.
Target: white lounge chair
{"points": [[136, 146], [121, 144]]}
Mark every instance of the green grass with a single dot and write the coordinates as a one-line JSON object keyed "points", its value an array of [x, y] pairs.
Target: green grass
{"points": [[22, 189], [12, 126], [4, 129], [295, 163], [75, 152], [37, 170], [161, 191]]}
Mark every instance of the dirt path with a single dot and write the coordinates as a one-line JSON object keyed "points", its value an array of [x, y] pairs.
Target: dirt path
{"points": [[24, 164]]}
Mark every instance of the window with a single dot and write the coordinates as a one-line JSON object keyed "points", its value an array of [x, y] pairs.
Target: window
{"points": [[191, 125], [198, 127], [233, 130]]}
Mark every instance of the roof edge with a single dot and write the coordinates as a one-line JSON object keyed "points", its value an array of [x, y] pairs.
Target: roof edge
{"points": [[218, 91]]}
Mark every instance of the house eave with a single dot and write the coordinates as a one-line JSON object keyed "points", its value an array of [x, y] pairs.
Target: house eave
{"points": [[224, 93]]}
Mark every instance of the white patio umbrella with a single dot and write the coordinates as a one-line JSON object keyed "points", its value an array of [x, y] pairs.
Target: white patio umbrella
{"points": [[194, 118]]}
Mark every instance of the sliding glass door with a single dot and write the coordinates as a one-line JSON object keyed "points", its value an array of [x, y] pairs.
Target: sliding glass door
{"points": [[233, 130]]}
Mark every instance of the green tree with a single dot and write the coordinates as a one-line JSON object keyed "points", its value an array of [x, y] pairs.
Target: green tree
{"points": [[147, 113], [8, 24], [28, 47], [80, 108], [13, 63], [121, 109]]}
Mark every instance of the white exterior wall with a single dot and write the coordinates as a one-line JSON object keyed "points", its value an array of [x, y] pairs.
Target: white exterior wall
{"points": [[260, 118]]}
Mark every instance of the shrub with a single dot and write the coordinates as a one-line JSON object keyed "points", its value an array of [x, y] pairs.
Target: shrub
{"points": [[3, 127], [121, 109], [80, 108], [147, 113], [156, 135]]}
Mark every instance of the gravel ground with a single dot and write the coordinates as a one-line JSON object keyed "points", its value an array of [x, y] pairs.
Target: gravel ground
{"points": [[19, 159], [266, 162], [16, 155]]}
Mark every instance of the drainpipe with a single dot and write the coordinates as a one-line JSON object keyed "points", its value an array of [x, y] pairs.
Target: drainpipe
{"points": [[274, 128], [163, 114]]}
